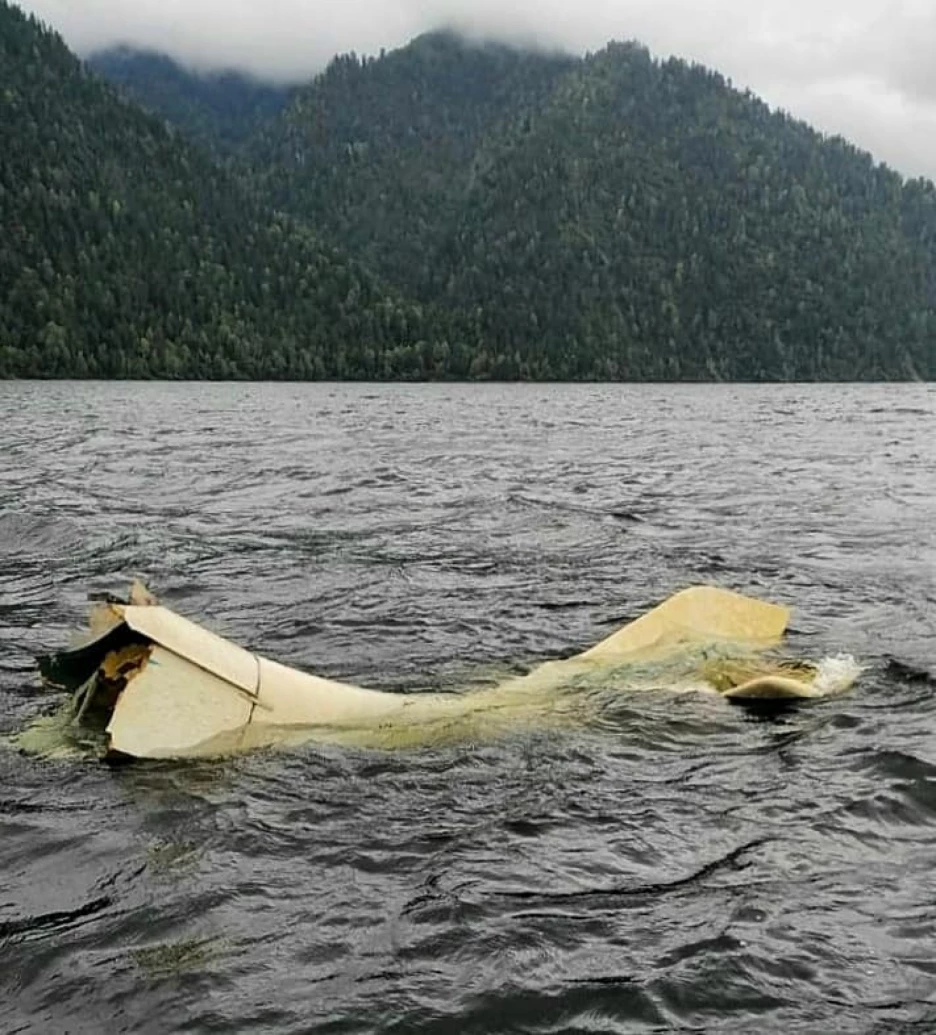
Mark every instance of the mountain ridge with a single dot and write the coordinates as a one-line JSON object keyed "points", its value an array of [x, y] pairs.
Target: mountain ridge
{"points": [[221, 108], [624, 217], [129, 253], [459, 210]]}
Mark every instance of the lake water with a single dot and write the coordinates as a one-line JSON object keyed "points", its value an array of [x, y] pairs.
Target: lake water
{"points": [[678, 866]]}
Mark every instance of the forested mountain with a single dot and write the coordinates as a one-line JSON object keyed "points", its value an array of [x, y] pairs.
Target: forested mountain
{"points": [[547, 217], [669, 223], [219, 109], [378, 153], [124, 252], [614, 217]]}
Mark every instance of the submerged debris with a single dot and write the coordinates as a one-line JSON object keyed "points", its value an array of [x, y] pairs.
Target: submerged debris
{"points": [[173, 959], [159, 686]]}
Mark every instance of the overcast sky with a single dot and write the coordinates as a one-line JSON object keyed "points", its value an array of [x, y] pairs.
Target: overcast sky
{"points": [[862, 68]]}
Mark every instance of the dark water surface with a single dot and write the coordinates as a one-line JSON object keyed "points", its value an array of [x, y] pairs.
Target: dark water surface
{"points": [[679, 866]]}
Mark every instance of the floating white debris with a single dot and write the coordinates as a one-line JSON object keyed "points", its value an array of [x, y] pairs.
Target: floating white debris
{"points": [[162, 686]]}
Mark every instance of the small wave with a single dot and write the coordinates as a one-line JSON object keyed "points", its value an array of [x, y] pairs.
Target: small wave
{"points": [[34, 535], [901, 411], [900, 670]]}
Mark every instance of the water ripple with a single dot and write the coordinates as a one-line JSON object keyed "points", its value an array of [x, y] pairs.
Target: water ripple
{"points": [[677, 866]]}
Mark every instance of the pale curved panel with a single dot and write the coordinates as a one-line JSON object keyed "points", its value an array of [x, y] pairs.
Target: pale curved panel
{"points": [[205, 649], [171, 707], [772, 688], [697, 614], [289, 697]]}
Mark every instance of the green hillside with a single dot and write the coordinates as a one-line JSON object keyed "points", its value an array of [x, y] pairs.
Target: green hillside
{"points": [[218, 109], [378, 153], [615, 217], [446, 210], [125, 252]]}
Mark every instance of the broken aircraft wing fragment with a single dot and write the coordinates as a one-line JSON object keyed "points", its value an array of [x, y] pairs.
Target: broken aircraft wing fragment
{"points": [[699, 614], [202, 648], [162, 686]]}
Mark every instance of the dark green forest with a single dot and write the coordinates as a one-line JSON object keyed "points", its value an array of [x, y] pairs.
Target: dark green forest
{"points": [[651, 221], [220, 109], [381, 154], [127, 252], [447, 210]]}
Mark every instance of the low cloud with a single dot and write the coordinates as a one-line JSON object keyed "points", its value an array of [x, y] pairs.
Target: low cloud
{"points": [[859, 68]]}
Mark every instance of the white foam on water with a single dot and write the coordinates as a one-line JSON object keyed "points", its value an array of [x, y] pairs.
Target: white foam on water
{"points": [[836, 674]]}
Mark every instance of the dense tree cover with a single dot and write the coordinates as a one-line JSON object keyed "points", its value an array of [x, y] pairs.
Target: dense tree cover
{"points": [[616, 217], [611, 217], [124, 252], [220, 109], [378, 153]]}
